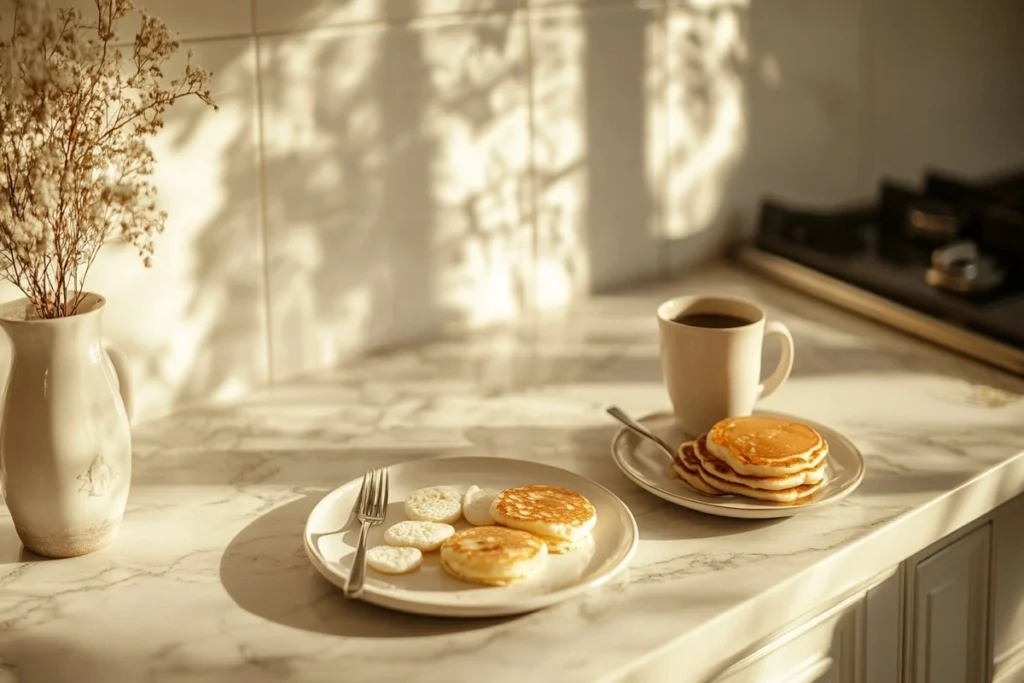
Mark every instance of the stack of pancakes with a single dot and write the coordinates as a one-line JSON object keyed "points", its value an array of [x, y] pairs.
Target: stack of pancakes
{"points": [[764, 458]]}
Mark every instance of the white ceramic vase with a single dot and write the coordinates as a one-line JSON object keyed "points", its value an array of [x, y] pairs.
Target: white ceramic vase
{"points": [[65, 440]]}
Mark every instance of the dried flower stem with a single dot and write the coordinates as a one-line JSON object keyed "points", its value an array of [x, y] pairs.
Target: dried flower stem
{"points": [[76, 118]]}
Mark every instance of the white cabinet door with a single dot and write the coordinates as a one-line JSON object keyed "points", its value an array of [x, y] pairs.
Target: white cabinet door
{"points": [[823, 649], [883, 631], [854, 641], [1008, 592], [948, 613]]}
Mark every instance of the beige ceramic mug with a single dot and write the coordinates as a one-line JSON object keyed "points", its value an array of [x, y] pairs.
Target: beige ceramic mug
{"points": [[711, 358]]}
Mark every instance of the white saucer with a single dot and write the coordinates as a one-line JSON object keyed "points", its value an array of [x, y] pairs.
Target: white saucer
{"points": [[649, 467], [330, 541]]}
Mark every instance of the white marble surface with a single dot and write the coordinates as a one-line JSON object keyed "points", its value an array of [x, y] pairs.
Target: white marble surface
{"points": [[207, 580]]}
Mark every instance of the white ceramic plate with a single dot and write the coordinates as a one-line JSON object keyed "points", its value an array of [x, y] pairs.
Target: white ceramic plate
{"points": [[330, 541], [649, 467]]}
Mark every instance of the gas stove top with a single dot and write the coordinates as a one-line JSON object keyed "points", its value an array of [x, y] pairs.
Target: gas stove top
{"points": [[943, 260]]}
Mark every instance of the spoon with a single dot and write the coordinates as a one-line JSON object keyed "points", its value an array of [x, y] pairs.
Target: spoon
{"points": [[639, 429]]}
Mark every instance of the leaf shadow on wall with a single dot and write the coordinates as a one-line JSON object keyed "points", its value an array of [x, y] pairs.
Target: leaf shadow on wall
{"points": [[370, 223], [374, 234], [394, 166]]}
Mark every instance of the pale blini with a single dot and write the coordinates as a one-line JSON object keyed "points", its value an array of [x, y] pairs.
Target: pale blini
{"points": [[387, 559], [434, 504], [476, 505], [424, 536]]}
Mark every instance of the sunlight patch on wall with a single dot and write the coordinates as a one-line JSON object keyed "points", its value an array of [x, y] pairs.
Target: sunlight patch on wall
{"points": [[400, 153], [559, 149], [478, 116], [599, 120], [707, 117], [770, 70], [326, 249]]}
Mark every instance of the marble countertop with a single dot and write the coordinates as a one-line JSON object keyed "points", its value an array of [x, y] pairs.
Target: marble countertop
{"points": [[207, 580]]}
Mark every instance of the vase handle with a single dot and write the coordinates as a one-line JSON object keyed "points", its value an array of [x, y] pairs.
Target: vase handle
{"points": [[124, 379]]}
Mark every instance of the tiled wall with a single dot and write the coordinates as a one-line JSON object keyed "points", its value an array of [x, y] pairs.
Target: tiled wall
{"points": [[383, 169]]}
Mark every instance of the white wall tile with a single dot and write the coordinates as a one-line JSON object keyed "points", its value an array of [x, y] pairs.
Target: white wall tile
{"points": [[273, 16], [598, 104], [397, 171], [764, 101], [804, 126], [945, 87], [707, 126]]}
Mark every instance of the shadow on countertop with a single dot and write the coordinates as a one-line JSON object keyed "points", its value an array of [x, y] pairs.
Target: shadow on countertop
{"points": [[265, 571]]}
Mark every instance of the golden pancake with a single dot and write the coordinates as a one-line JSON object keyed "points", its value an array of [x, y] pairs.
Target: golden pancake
{"points": [[493, 555], [762, 446], [687, 468], [721, 470], [545, 511]]}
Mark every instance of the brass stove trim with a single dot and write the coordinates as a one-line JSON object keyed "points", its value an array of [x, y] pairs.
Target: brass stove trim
{"points": [[882, 310]]}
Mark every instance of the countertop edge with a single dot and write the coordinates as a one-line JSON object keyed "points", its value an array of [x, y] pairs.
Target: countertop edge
{"points": [[829, 581]]}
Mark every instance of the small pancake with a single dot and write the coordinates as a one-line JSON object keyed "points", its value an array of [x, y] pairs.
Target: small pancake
{"points": [[687, 468], [720, 470], [545, 511], [761, 446], [493, 555]]}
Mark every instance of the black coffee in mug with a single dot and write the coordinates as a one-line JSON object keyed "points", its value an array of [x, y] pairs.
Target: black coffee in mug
{"points": [[714, 320]]}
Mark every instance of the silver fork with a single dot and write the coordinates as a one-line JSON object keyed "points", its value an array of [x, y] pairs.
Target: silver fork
{"points": [[372, 507]]}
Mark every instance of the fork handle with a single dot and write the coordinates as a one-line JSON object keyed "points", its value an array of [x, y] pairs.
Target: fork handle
{"points": [[354, 582], [639, 429]]}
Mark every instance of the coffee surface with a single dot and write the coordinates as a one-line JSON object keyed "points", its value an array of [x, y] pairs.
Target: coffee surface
{"points": [[713, 320]]}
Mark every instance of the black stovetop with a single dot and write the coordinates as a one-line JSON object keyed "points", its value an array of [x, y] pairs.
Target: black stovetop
{"points": [[888, 246]]}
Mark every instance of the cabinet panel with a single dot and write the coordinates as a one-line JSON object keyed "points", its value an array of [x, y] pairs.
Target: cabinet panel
{"points": [[883, 631], [948, 614], [1008, 592], [823, 650]]}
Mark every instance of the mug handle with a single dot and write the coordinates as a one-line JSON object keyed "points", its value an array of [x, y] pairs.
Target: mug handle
{"points": [[119, 361], [785, 366]]}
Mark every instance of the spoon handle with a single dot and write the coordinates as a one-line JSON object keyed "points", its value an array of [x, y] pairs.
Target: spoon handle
{"points": [[632, 424]]}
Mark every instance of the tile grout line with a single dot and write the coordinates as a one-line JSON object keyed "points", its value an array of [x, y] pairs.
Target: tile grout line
{"points": [[864, 81], [262, 212], [665, 252], [531, 130]]}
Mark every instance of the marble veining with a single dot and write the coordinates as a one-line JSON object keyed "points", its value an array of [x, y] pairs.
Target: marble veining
{"points": [[207, 580]]}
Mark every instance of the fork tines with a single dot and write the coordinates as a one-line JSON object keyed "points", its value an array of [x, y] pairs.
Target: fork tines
{"points": [[373, 496]]}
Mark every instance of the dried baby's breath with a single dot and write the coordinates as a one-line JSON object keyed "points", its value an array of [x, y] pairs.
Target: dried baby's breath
{"points": [[76, 117]]}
